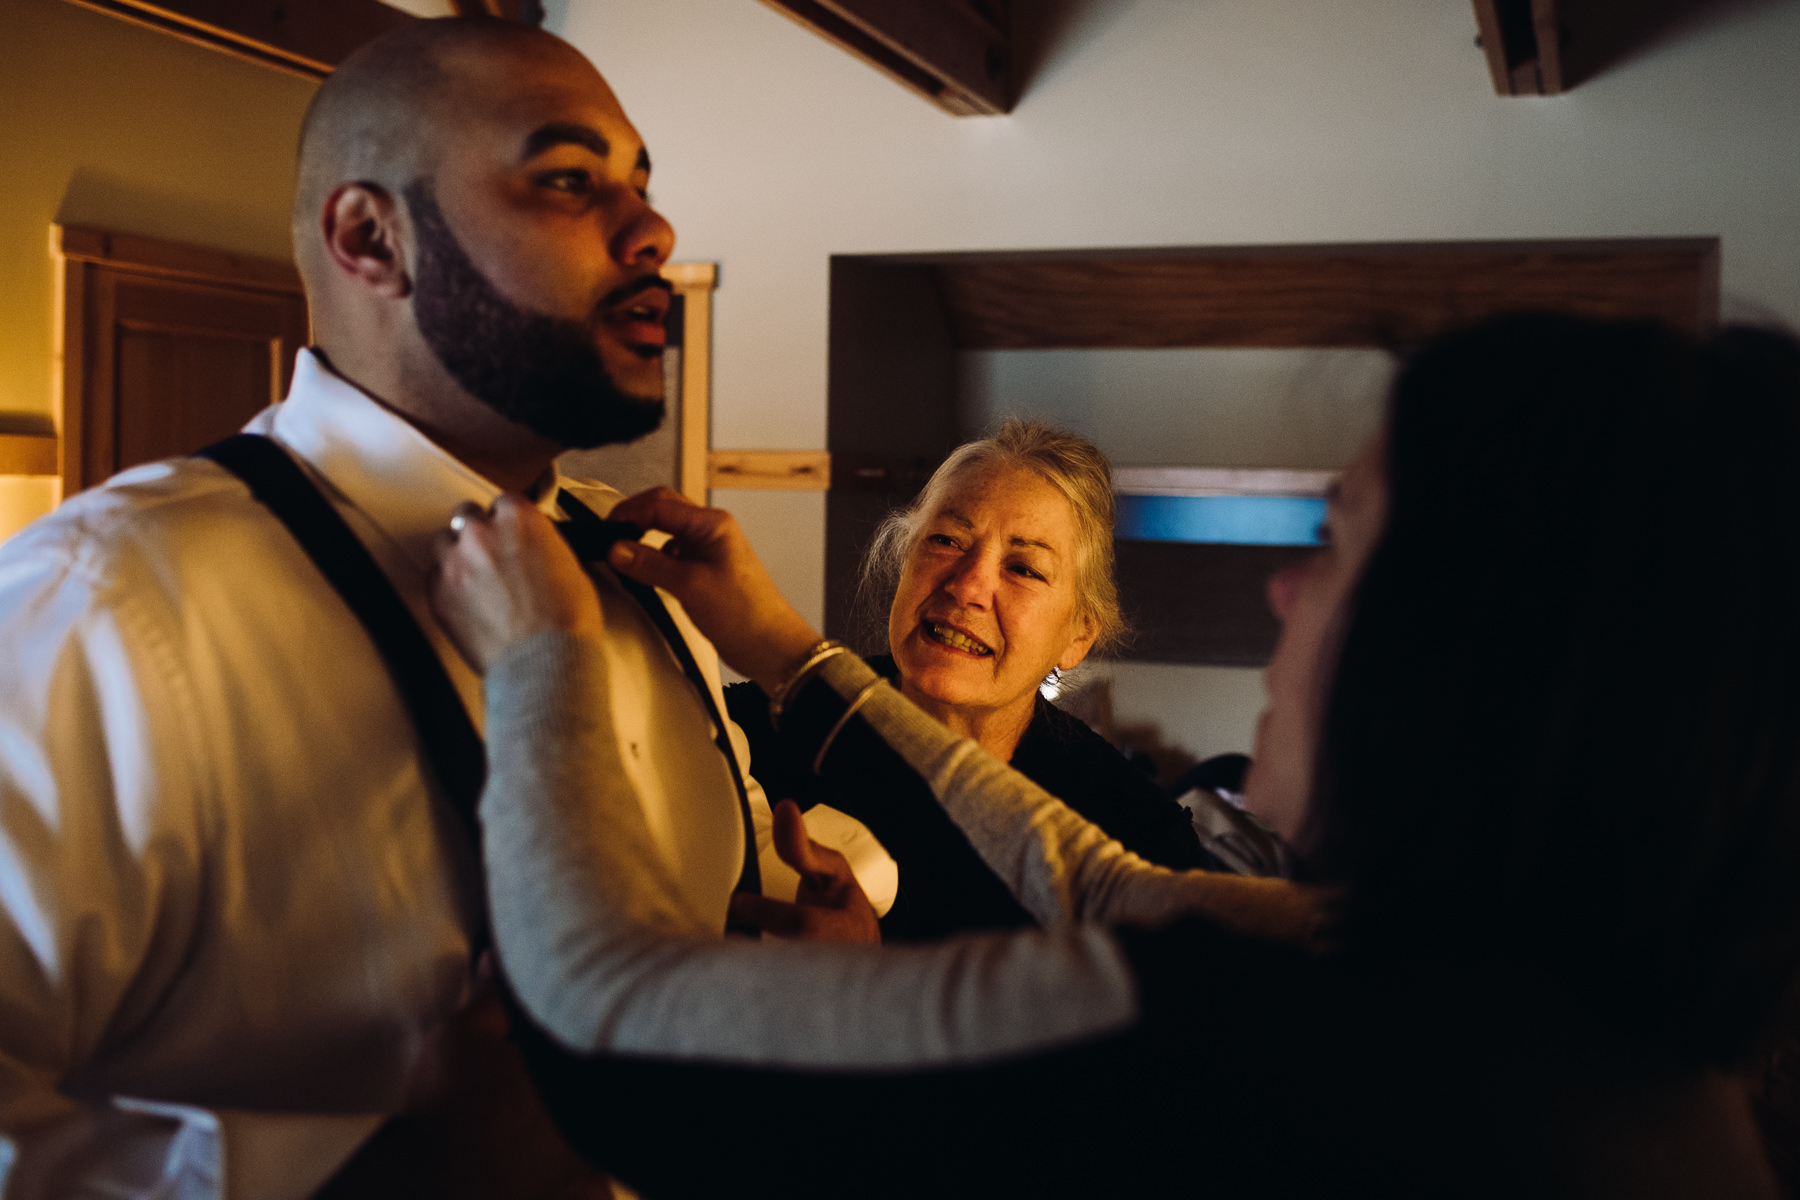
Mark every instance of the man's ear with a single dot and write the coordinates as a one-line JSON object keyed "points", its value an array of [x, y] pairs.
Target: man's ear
{"points": [[1086, 632], [362, 234]]}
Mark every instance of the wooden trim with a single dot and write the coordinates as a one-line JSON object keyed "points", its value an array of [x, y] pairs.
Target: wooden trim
{"points": [[89, 265], [307, 38], [67, 365], [1546, 27], [1378, 296], [947, 51], [100, 375], [153, 256], [695, 283], [1493, 45], [772, 470], [29, 454], [1523, 43], [262, 54]]}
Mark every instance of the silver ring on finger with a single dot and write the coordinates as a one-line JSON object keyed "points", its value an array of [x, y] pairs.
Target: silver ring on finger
{"points": [[465, 512]]}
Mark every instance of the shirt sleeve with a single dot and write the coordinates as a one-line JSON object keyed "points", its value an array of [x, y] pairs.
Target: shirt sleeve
{"points": [[102, 818]]}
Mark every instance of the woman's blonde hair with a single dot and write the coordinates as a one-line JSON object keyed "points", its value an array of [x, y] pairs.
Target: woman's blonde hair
{"points": [[1072, 465]]}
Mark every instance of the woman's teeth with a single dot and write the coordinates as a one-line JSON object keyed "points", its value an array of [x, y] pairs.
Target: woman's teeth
{"points": [[951, 638]]}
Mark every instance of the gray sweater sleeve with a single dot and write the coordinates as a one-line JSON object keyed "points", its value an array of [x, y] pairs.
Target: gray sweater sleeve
{"points": [[1063, 868], [603, 952]]}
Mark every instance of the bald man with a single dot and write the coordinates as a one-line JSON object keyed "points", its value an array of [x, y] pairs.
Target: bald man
{"points": [[237, 909]]}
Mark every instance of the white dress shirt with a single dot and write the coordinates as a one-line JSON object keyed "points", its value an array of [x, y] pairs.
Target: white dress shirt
{"points": [[232, 901]]}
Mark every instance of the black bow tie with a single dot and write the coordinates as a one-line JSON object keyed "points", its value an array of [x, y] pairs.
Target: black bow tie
{"points": [[590, 535]]}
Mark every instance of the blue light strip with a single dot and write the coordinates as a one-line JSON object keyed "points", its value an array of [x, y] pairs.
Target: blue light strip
{"points": [[1222, 520]]}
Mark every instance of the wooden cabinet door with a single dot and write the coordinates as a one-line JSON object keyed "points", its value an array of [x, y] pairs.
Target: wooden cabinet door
{"points": [[167, 349]]}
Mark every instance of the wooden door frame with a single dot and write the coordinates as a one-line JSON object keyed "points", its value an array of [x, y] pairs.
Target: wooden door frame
{"points": [[82, 370]]}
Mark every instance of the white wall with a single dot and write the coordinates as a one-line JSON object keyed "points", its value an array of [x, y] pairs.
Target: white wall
{"points": [[1202, 408], [1171, 122]]}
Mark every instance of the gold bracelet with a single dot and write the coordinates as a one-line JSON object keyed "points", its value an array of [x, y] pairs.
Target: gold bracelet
{"points": [[815, 658], [856, 702]]}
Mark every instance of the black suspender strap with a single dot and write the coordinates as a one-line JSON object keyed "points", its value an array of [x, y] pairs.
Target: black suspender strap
{"points": [[591, 537], [447, 735]]}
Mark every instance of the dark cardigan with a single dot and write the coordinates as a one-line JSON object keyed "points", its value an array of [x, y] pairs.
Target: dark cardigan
{"points": [[945, 888]]}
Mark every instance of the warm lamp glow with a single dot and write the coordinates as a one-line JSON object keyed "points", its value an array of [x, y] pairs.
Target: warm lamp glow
{"points": [[25, 498]]}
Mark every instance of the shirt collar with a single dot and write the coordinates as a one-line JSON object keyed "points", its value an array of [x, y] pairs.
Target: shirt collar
{"points": [[400, 479]]}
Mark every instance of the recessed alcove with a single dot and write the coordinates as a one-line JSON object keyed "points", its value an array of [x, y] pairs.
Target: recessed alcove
{"points": [[1250, 357]]}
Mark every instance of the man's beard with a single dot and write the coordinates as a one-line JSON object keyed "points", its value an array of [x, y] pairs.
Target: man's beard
{"points": [[543, 372]]}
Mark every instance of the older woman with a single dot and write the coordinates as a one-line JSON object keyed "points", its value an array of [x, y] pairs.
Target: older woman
{"points": [[1001, 573], [1534, 717]]}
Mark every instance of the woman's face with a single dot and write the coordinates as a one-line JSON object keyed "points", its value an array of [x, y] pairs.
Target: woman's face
{"points": [[988, 602], [1310, 599]]}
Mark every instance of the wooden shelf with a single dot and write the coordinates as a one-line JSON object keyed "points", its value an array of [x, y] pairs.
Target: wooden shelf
{"points": [[1312, 296]]}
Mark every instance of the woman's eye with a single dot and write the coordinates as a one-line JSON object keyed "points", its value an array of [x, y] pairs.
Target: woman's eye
{"points": [[941, 539], [1026, 571]]}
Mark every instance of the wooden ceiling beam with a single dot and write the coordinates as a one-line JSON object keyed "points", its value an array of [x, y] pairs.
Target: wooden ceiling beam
{"points": [[955, 53], [1522, 40], [308, 39], [1547, 47], [301, 37]]}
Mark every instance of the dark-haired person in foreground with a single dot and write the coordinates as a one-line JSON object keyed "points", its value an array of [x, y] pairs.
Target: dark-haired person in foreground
{"points": [[1533, 721]]}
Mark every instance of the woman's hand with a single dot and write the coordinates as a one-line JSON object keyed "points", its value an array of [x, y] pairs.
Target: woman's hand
{"points": [[829, 906], [503, 576], [708, 566]]}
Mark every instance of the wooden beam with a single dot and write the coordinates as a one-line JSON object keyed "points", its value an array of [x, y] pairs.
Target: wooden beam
{"points": [[1493, 45], [28, 454], [301, 37], [955, 53], [1380, 296], [1547, 35], [695, 283], [1522, 40], [154, 256], [770, 470]]}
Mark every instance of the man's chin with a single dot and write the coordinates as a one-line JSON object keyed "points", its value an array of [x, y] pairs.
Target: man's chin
{"points": [[637, 371]]}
